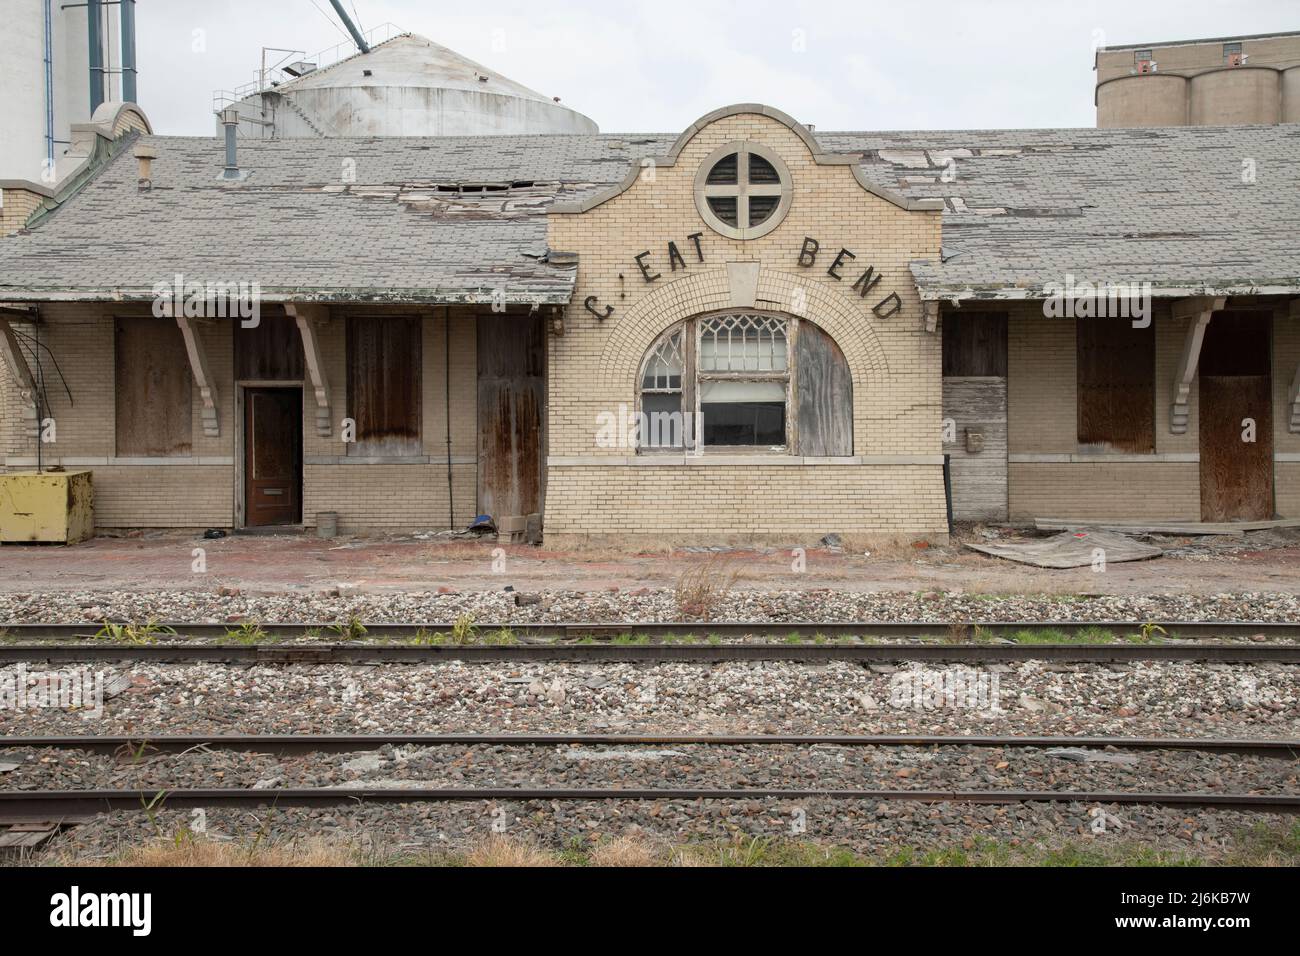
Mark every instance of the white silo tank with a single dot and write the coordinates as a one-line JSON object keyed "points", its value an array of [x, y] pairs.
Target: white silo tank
{"points": [[406, 86]]}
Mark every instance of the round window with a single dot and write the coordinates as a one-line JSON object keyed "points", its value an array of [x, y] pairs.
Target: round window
{"points": [[743, 191]]}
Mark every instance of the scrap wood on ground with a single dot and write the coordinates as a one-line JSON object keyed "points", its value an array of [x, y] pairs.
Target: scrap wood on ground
{"points": [[1077, 549]]}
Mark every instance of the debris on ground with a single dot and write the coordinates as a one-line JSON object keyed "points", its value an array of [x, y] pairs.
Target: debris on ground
{"points": [[1072, 550]]}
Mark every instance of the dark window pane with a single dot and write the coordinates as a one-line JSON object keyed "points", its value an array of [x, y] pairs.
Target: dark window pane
{"points": [[724, 207], [743, 413], [664, 425], [725, 171], [761, 209], [761, 171]]}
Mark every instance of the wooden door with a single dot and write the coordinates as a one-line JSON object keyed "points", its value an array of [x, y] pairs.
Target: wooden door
{"points": [[1234, 406], [511, 415], [272, 457]]}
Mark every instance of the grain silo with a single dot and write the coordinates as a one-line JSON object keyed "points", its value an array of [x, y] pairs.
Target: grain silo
{"points": [[405, 86]]}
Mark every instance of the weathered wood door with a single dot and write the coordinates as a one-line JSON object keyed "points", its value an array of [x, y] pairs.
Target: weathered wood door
{"points": [[975, 413], [511, 415], [1236, 414], [272, 457]]}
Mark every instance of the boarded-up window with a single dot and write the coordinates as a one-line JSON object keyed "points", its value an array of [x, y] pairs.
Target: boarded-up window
{"points": [[825, 413], [1116, 382], [384, 386], [975, 345], [269, 352], [153, 389]]}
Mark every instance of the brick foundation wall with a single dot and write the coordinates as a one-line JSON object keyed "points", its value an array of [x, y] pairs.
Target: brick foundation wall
{"points": [[764, 504]]}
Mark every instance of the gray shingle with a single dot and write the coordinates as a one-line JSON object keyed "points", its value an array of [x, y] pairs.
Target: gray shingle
{"points": [[1026, 207]]}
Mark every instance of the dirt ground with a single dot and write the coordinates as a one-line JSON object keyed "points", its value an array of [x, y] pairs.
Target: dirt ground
{"points": [[276, 564]]}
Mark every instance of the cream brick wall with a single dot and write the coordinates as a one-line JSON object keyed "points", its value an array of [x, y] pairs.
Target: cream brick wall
{"points": [[1139, 491], [1042, 417], [895, 363], [781, 504], [185, 493], [19, 204]]}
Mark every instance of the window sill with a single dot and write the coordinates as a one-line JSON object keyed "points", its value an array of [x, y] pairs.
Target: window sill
{"points": [[738, 461]]}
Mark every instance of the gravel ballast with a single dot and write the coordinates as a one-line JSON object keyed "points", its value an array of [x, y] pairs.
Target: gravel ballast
{"points": [[1143, 699], [641, 605]]}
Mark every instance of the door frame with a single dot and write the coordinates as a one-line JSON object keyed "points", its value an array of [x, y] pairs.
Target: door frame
{"points": [[241, 464], [1273, 316], [544, 412]]}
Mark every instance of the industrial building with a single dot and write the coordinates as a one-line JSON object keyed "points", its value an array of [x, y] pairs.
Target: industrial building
{"points": [[1227, 81], [746, 330]]}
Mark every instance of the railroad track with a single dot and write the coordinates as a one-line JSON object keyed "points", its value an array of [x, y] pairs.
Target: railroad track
{"points": [[652, 643], [282, 745], [668, 631], [52, 806], [55, 805]]}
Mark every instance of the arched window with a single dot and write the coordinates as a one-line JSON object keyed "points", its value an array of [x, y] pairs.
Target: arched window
{"points": [[746, 381]]}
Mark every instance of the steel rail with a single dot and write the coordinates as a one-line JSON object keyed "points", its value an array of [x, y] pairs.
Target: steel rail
{"points": [[344, 743], [60, 804], [1199, 630], [348, 654]]}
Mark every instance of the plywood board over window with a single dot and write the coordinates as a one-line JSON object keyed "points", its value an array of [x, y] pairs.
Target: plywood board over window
{"points": [[384, 386], [1116, 382], [154, 389], [271, 351], [825, 390]]}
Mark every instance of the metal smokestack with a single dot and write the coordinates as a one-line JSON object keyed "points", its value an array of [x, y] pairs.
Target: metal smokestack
{"points": [[230, 120]]}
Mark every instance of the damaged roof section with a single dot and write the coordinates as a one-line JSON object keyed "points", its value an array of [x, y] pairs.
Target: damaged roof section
{"points": [[454, 220], [1191, 210]]}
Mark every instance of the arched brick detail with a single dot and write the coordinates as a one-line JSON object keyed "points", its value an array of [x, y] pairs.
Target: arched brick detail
{"points": [[849, 324]]}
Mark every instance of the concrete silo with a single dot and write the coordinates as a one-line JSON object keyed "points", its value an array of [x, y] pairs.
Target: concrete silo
{"points": [[405, 86]]}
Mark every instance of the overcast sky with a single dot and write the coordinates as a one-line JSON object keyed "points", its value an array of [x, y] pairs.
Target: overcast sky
{"points": [[658, 66]]}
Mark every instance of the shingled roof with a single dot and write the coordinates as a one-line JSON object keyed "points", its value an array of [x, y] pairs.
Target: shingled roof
{"points": [[1192, 210], [1024, 208]]}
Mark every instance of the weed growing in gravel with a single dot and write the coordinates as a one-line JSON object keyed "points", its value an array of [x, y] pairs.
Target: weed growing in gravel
{"points": [[703, 587], [462, 632], [1149, 631], [503, 637], [353, 630], [1042, 635], [133, 633], [250, 632]]}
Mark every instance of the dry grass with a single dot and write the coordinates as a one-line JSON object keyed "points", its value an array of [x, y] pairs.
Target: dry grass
{"points": [[499, 851], [205, 853], [625, 851], [703, 586]]}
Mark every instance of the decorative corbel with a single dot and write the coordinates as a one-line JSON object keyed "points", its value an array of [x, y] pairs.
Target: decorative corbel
{"points": [[202, 377], [310, 318], [931, 308], [1198, 310], [22, 375]]}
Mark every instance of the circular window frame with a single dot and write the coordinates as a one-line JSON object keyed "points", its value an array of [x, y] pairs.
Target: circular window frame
{"points": [[743, 233]]}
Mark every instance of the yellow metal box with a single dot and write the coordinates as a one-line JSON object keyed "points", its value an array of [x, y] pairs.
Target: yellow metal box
{"points": [[55, 507]]}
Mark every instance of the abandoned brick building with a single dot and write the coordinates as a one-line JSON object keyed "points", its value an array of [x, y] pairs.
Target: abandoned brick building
{"points": [[849, 332]]}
